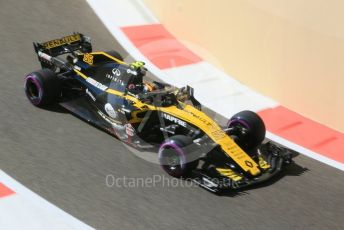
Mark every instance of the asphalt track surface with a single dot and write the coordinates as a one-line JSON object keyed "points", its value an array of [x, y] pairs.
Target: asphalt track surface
{"points": [[66, 161]]}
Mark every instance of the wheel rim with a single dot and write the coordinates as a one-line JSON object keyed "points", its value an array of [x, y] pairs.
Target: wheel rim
{"points": [[33, 90], [241, 139], [171, 159], [238, 122]]}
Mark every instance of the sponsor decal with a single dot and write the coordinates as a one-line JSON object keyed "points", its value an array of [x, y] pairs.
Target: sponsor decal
{"points": [[96, 84], [116, 72], [133, 72], [204, 120], [59, 42], [44, 56], [249, 164], [77, 68], [218, 134], [110, 111], [174, 119], [88, 58], [90, 94], [129, 130]]}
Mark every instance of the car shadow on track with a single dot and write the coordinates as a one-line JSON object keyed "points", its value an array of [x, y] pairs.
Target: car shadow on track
{"points": [[55, 108], [291, 170]]}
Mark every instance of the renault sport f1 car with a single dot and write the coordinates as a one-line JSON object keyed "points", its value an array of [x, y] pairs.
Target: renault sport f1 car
{"points": [[102, 89]]}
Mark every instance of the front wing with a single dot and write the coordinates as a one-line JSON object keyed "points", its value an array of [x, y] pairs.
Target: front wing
{"points": [[222, 180]]}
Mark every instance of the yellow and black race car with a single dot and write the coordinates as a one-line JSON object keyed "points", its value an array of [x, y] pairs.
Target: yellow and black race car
{"points": [[102, 89]]}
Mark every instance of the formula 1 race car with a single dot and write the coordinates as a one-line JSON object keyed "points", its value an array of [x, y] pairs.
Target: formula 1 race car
{"points": [[102, 89]]}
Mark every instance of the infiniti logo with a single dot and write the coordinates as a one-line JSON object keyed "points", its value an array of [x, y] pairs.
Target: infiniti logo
{"points": [[116, 72]]}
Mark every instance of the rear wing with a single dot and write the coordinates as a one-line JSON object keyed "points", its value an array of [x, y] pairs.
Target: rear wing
{"points": [[48, 51], [67, 44]]}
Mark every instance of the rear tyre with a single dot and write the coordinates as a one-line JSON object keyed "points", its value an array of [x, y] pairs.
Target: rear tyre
{"points": [[115, 54], [42, 87], [247, 129], [177, 156]]}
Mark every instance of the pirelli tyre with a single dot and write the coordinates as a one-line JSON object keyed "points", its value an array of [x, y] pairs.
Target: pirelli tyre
{"points": [[247, 129], [42, 87], [178, 156], [115, 54]]}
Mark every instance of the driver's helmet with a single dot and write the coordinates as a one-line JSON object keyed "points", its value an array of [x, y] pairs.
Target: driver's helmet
{"points": [[138, 72], [137, 84]]}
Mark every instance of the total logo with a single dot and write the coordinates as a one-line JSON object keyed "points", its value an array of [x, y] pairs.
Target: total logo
{"points": [[110, 111]]}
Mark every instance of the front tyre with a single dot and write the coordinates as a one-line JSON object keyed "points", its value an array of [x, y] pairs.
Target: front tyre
{"points": [[247, 129], [177, 157], [42, 87]]}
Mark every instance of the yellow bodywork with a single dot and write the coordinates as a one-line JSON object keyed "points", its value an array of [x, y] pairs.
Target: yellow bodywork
{"points": [[214, 131], [263, 164], [229, 173], [197, 118]]}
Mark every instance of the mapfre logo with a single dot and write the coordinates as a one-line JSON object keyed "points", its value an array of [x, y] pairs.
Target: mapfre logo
{"points": [[174, 119]]}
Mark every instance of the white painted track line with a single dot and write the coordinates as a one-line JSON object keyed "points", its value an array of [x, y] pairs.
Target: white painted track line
{"points": [[27, 210]]}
